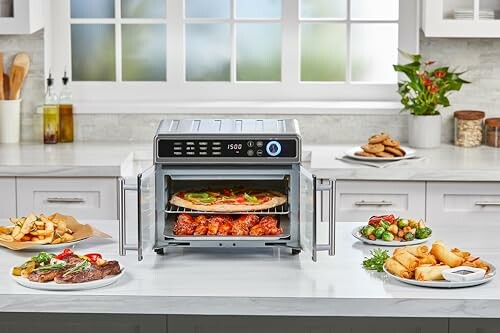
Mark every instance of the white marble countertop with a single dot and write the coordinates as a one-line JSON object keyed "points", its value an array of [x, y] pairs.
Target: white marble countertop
{"points": [[446, 163], [69, 159], [262, 282]]}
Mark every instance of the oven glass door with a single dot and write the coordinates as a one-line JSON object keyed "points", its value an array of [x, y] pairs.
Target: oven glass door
{"points": [[308, 212], [146, 211]]}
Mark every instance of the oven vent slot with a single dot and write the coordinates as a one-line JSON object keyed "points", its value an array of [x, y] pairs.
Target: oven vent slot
{"points": [[279, 210]]}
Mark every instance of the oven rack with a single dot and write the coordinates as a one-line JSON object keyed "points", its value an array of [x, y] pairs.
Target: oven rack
{"points": [[278, 210]]}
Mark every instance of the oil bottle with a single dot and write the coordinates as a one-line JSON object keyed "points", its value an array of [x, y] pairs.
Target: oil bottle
{"points": [[50, 114], [66, 111]]}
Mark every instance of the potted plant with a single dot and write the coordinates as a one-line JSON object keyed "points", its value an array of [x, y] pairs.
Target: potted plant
{"points": [[423, 93]]}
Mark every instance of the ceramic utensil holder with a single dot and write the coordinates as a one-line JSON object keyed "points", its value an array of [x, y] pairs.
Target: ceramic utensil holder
{"points": [[10, 120]]}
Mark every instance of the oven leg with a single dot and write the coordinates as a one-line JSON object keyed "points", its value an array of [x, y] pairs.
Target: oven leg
{"points": [[295, 252], [160, 251]]}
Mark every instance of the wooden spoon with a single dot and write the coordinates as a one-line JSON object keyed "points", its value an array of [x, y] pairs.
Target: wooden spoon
{"points": [[18, 71], [6, 86], [2, 95]]}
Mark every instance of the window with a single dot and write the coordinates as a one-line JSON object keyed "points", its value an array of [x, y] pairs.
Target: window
{"points": [[238, 50]]}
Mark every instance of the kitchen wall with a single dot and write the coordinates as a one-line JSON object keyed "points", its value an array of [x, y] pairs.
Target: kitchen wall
{"points": [[481, 57]]}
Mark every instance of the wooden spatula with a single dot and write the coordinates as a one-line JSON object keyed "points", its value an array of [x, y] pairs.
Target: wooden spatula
{"points": [[6, 86], [17, 75], [18, 71], [2, 95]]}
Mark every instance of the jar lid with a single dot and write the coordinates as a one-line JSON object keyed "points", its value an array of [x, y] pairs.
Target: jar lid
{"points": [[493, 122], [469, 115]]}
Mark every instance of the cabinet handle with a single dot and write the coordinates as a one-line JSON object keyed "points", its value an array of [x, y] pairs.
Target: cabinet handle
{"points": [[71, 200], [487, 203], [373, 203]]}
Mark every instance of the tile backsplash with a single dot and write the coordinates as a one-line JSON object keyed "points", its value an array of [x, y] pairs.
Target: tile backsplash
{"points": [[480, 57]]}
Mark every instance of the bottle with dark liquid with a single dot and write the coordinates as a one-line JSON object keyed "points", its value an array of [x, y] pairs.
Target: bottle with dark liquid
{"points": [[50, 114], [66, 111]]}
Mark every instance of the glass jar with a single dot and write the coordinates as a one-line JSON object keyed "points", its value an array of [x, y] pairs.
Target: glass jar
{"points": [[492, 132], [468, 128]]}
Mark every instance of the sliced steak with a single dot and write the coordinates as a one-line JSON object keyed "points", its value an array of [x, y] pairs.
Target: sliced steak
{"points": [[79, 277], [44, 276], [111, 267]]}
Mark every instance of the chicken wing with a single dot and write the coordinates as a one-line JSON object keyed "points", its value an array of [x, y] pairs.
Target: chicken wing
{"points": [[269, 224], [215, 222], [257, 230], [243, 224], [185, 225]]}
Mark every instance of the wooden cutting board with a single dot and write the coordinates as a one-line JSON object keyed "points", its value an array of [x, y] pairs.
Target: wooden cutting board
{"points": [[2, 95]]}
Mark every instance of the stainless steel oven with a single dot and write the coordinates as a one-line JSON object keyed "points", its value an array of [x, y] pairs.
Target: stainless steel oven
{"points": [[215, 153]]}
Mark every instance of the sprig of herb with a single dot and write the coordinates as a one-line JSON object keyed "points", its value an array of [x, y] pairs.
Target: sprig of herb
{"points": [[376, 261], [51, 267], [82, 266]]}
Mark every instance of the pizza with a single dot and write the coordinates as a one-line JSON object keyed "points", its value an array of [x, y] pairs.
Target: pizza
{"points": [[228, 200]]}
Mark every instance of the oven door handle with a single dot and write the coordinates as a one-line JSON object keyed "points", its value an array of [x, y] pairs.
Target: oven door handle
{"points": [[122, 221], [329, 188]]}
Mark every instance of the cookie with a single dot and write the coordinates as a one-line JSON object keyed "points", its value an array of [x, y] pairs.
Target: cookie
{"points": [[378, 138], [401, 150], [384, 154], [390, 142], [364, 154], [394, 151], [373, 148]]}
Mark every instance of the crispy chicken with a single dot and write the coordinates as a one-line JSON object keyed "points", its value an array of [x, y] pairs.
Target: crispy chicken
{"points": [[243, 224], [270, 225], [217, 222], [257, 230], [185, 225], [202, 227]]}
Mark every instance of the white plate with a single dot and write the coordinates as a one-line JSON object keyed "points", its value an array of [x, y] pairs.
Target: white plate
{"points": [[447, 284], [70, 286], [47, 247], [410, 153], [356, 233]]}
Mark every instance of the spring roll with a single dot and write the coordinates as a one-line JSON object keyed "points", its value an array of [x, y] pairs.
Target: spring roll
{"points": [[416, 250], [444, 255], [428, 259], [430, 272], [397, 269], [408, 260]]}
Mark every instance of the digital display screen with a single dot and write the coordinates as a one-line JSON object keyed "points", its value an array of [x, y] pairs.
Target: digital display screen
{"points": [[234, 146]]}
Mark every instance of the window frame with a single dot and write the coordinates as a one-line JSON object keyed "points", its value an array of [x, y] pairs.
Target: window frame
{"points": [[176, 95]]}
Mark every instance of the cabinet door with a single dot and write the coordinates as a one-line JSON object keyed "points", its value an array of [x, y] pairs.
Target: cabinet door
{"points": [[474, 325], [356, 201], [27, 17], [7, 198], [84, 198], [460, 202]]}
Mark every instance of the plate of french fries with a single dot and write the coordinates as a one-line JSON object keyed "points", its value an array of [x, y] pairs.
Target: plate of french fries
{"points": [[423, 266], [41, 232]]}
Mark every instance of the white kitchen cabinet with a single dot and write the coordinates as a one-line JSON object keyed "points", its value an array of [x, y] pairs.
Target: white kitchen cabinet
{"points": [[83, 198], [463, 202], [82, 323], [261, 324], [7, 197], [27, 17], [461, 18], [356, 201]]}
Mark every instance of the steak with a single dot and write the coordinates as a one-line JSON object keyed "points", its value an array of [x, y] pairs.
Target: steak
{"points": [[111, 267], [44, 276], [94, 273]]}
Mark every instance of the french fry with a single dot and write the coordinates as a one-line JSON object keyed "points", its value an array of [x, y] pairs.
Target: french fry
{"points": [[27, 226], [67, 237], [16, 231], [39, 223], [41, 237], [61, 227], [6, 238], [5, 230], [57, 241], [49, 226], [42, 232]]}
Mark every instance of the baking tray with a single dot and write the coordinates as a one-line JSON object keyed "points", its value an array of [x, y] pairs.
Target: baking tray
{"points": [[171, 219]]}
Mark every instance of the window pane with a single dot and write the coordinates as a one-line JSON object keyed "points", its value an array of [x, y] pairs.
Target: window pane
{"points": [[258, 8], [323, 52], [208, 8], [374, 52], [323, 8], [93, 52], [143, 8], [92, 8], [258, 52], [374, 10], [208, 52], [147, 62]]}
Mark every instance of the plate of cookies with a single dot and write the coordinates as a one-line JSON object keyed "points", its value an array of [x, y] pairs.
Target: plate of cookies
{"points": [[381, 147]]}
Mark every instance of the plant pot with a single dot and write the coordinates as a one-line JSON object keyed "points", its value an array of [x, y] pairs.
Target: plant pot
{"points": [[424, 131]]}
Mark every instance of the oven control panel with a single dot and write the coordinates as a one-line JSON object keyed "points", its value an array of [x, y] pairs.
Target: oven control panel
{"points": [[227, 148]]}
